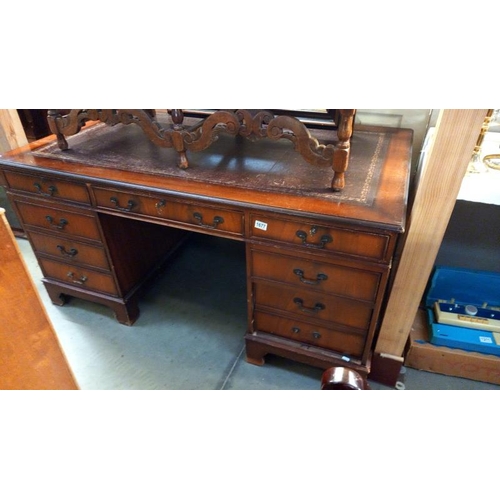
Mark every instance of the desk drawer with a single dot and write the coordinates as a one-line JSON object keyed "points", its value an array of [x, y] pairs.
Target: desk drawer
{"points": [[348, 343], [69, 250], [312, 305], [347, 242], [45, 187], [211, 218], [316, 275], [78, 276], [59, 220], [193, 215]]}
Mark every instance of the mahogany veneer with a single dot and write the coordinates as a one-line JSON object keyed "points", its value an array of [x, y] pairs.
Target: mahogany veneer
{"points": [[105, 215]]}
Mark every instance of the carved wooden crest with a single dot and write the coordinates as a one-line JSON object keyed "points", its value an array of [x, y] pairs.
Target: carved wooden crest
{"points": [[252, 124]]}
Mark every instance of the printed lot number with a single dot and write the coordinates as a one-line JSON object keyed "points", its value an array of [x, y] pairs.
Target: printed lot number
{"points": [[261, 225]]}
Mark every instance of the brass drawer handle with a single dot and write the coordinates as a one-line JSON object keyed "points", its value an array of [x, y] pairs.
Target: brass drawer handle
{"points": [[53, 224], [315, 335], [71, 253], [217, 220], [326, 238], [316, 308], [51, 190], [160, 205], [81, 281], [130, 205], [319, 278]]}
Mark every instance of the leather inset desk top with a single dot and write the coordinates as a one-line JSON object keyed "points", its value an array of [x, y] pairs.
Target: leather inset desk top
{"points": [[265, 165], [235, 170]]}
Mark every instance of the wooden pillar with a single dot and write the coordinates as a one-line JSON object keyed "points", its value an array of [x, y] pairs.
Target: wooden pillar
{"points": [[456, 134], [12, 134]]}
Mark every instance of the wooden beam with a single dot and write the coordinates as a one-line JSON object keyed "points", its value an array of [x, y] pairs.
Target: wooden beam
{"points": [[457, 131], [12, 134]]}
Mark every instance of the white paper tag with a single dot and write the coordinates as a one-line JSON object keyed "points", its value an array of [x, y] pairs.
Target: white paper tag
{"points": [[485, 340], [261, 225]]}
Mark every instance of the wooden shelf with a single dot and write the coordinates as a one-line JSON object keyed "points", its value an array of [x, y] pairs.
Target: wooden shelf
{"points": [[422, 355]]}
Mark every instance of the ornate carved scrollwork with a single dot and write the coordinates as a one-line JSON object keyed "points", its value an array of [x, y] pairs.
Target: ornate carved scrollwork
{"points": [[252, 125]]}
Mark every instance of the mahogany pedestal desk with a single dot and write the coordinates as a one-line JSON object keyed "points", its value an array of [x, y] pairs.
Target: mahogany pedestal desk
{"points": [[103, 216]]}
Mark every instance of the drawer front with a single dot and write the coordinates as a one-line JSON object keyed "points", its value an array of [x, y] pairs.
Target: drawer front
{"points": [[128, 202], [206, 217], [78, 276], [316, 276], [61, 221], [350, 344], [71, 251], [313, 305], [45, 187], [357, 243]]}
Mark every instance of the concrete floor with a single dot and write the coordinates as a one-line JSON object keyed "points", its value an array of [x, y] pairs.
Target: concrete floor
{"points": [[189, 334]]}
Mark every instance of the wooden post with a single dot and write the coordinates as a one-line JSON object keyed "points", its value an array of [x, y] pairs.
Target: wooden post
{"points": [[456, 134], [12, 134]]}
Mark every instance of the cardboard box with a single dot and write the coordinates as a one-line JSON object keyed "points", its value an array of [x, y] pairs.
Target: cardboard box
{"points": [[422, 355]]}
